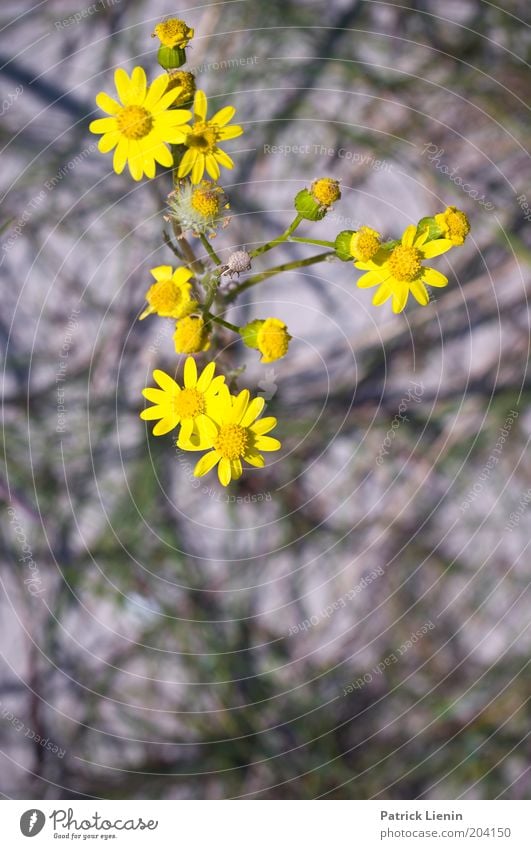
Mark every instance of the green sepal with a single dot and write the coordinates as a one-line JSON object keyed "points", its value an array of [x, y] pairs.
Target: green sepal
{"points": [[171, 57], [342, 245], [308, 207]]}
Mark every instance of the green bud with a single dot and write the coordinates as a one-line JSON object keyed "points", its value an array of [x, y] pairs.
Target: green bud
{"points": [[342, 245], [249, 333], [429, 224], [171, 57], [308, 207]]}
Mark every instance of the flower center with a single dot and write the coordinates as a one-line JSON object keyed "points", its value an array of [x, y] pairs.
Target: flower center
{"points": [[189, 403], [205, 202], [326, 191], [165, 296], [365, 244], [405, 263], [203, 137], [273, 341], [190, 335], [232, 441], [134, 122], [458, 226]]}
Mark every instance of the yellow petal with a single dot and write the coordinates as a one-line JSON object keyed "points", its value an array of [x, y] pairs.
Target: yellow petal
{"points": [[151, 413], [434, 278], [123, 86], [212, 166], [206, 463], [223, 159], [239, 406], [230, 132], [107, 104], [409, 236], [224, 471], [165, 381], [156, 91], [236, 469], [139, 82], [400, 296], [187, 162], [436, 248], [190, 373], [254, 459], [161, 272], [223, 116], [103, 125], [120, 156], [382, 295], [200, 105], [264, 425], [158, 396], [199, 168], [420, 293], [372, 278], [165, 425], [206, 377], [253, 411], [267, 443], [108, 141]]}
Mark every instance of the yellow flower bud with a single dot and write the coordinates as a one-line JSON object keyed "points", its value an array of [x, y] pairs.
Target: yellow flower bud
{"points": [[184, 80], [173, 33], [365, 244], [453, 224], [269, 336], [325, 191], [190, 335]]}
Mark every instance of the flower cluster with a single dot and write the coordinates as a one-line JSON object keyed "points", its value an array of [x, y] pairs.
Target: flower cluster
{"points": [[166, 123], [397, 267], [228, 427]]}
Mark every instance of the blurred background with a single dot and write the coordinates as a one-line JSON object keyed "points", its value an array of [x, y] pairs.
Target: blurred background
{"points": [[353, 620]]}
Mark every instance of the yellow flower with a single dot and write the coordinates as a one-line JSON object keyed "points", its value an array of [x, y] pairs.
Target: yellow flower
{"points": [[234, 433], [325, 191], [185, 81], [202, 141], [454, 225], [191, 335], [170, 297], [200, 209], [188, 406], [173, 33], [272, 340], [365, 244], [402, 271], [141, 125]]}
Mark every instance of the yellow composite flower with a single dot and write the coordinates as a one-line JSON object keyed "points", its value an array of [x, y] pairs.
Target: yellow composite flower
{"points": [[173, 33], [272, 340], [170, 295], [202, 139], [454, 225], [365, 244], [234, 433], [191, 335], [141, 123], [188, 406], [402, 272]]}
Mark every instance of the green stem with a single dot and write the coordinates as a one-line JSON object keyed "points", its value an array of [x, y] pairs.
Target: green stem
{"points": [[279, 240], [321, 242], [287, 266], [209, 249], [219, 320]]}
